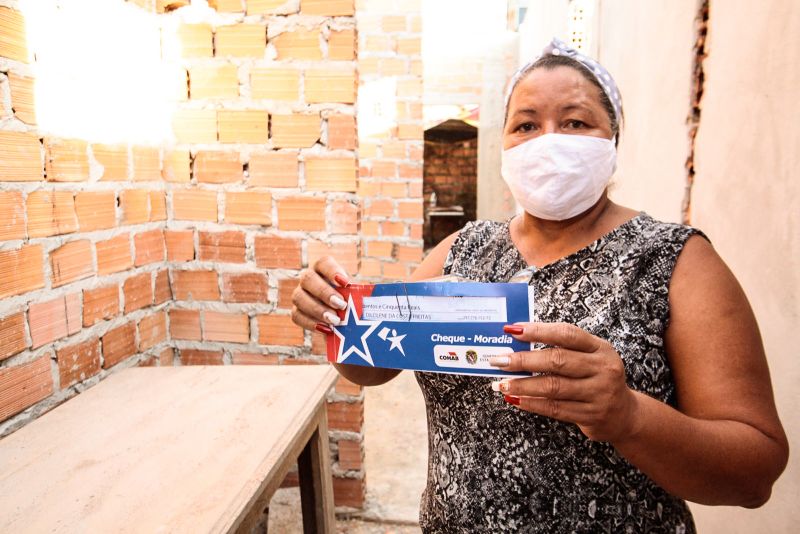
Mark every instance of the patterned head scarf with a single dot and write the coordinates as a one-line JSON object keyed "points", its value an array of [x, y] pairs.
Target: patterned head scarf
{"points": [[559, 48]]}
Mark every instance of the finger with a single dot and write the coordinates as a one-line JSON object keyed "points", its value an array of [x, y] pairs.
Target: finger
{"points": [[330, 269], [313, 284], [313, 308], [563, 410], [564, 335], [546, 386], [556, 360], [302, 320]]}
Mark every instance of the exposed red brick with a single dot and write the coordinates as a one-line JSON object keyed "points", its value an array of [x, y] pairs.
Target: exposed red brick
{"points": [[298, 130], [78, 362], [242, 126], [351, 455], [184, 324], [248, 207], [158, 205], [66, 160], [232, 327], [275, 84], [286, 287], [272, 252], [342, 132], [344, 217], [13, 45], [21, 270], [213, 81], [24, 385], [135, 204], [114, 160], [348, 416], [119, 344], [328, 8], [200, 357], [345, 253], [114, 255], [163, 292], [349, 492], [138, 292], [96, 210], [194, 205], [240, 40], [180, 245], [244, 287], [71, 261], [342, 45], [318, 343], [226, 247], [249, 358], [217, 167], [51, 213], [12, 225], [330, 174], [301, 213], [195, 125], [276, 329], [298, 44], [152, 330], [176, 166], [345, 387], [195, 40], [150, 247], [47, 321], [273, 169], [146, 164], [12, 335], [21, 154], [100, 303], [195, 285]]}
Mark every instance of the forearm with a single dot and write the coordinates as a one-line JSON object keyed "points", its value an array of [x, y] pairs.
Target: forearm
{"points": [[365, 376], [715, 462]]}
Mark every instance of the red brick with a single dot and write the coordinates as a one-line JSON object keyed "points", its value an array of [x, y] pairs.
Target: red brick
{"points": [[275, 84], [298, 130], [410, 210], [152, 330], [180, 245], [195, 125], [213, 81], [74, 312], [200, 357], [166, 356], [286, 287], [350, 454], [244, 287], [298, 44], [273, 169], [330, 85], [409, 253], [345, 387], [21, 154], [380, 208], [51, 213], [135, 204], [146, 164], [231, 327], [349, 492], [249, 358], [345, 253], [24, 385], [328, 8], [195, 285], [177, 163], [12, 335], [100, 303], [395, 271], [71, 261], [21, 270], [330, 174], [163, 293], [228, 247], [301, 213], [78, 362], [243, 126], [184, 324], [370, 267], [342, 132], [158, 206], [12, 225], [393, 229], [195, 40], [47, 321], [342, 45], [113, 159], [194, 205], [415, 231], [13, 44], [96, 210], [119, 344], [344, 217], [381, 249], [138, 292], [66, 160], [240, 40], [278, 330], [114, 255], [248, 207], [319, 344], [150, 247], [217, 167], [272, 252], [347, 416]]}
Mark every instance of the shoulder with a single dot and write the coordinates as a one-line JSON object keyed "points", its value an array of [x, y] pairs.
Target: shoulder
{"points": [[480, 233], [655, 233]]}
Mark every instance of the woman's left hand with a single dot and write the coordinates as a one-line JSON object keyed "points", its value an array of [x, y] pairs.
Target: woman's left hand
{"points": [[583, 380]]}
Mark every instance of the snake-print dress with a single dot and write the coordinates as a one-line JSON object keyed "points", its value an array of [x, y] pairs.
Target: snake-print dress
{"points": [[495, 468]]}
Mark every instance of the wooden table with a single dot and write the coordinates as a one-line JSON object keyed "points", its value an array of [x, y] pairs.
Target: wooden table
{"points": [[172, 449]]}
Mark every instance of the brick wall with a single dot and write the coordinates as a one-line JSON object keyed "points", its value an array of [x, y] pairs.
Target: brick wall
{"points": [[187, 254]]}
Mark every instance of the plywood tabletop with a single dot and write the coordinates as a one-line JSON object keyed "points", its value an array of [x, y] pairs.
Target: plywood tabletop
{"points": [[168, 449]]}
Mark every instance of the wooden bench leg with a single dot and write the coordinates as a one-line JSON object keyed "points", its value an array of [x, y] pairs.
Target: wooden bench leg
{"points": [[316, 488]]}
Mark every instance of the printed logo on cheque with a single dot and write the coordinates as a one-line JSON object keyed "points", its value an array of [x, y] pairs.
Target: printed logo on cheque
{"points": [[472, 357]]}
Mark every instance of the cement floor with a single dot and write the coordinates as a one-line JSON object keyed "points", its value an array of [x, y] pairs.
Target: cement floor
{"points": [[395, 444]]}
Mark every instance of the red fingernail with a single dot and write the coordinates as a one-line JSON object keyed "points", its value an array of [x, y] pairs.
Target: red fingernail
{"points": [[511, 399], [323, 329], [513, 329], [341, 280]]}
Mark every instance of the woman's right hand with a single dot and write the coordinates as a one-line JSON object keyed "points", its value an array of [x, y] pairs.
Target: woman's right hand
{"points": [[315, 300]]}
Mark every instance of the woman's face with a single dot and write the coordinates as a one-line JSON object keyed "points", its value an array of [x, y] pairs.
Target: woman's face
{"points": [[558, 100]]}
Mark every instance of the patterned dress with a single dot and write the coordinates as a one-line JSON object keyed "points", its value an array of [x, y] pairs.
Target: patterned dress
{"points": [[495, 468]]}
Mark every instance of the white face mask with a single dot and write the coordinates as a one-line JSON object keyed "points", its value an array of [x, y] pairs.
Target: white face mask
{"points": [[559, 176]]}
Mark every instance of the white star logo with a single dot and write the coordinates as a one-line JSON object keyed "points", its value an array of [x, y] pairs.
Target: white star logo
{"points": [[366, 325], [394, 339]]}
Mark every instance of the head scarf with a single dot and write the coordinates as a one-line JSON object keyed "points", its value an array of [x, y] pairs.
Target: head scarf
{"points": [[558, 48]]}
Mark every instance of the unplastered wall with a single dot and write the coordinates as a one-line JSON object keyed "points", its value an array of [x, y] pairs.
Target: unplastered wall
{"points": [[186, 252]]}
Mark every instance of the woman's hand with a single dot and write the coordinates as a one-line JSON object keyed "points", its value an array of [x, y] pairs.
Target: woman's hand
{"points": [[583, 380], [315, 300]]}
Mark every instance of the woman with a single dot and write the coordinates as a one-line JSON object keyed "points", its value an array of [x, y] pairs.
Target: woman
{"points": [[654, 387]]}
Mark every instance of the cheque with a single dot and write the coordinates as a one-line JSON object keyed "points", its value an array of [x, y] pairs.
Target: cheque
{"points": [[430, 326]]}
